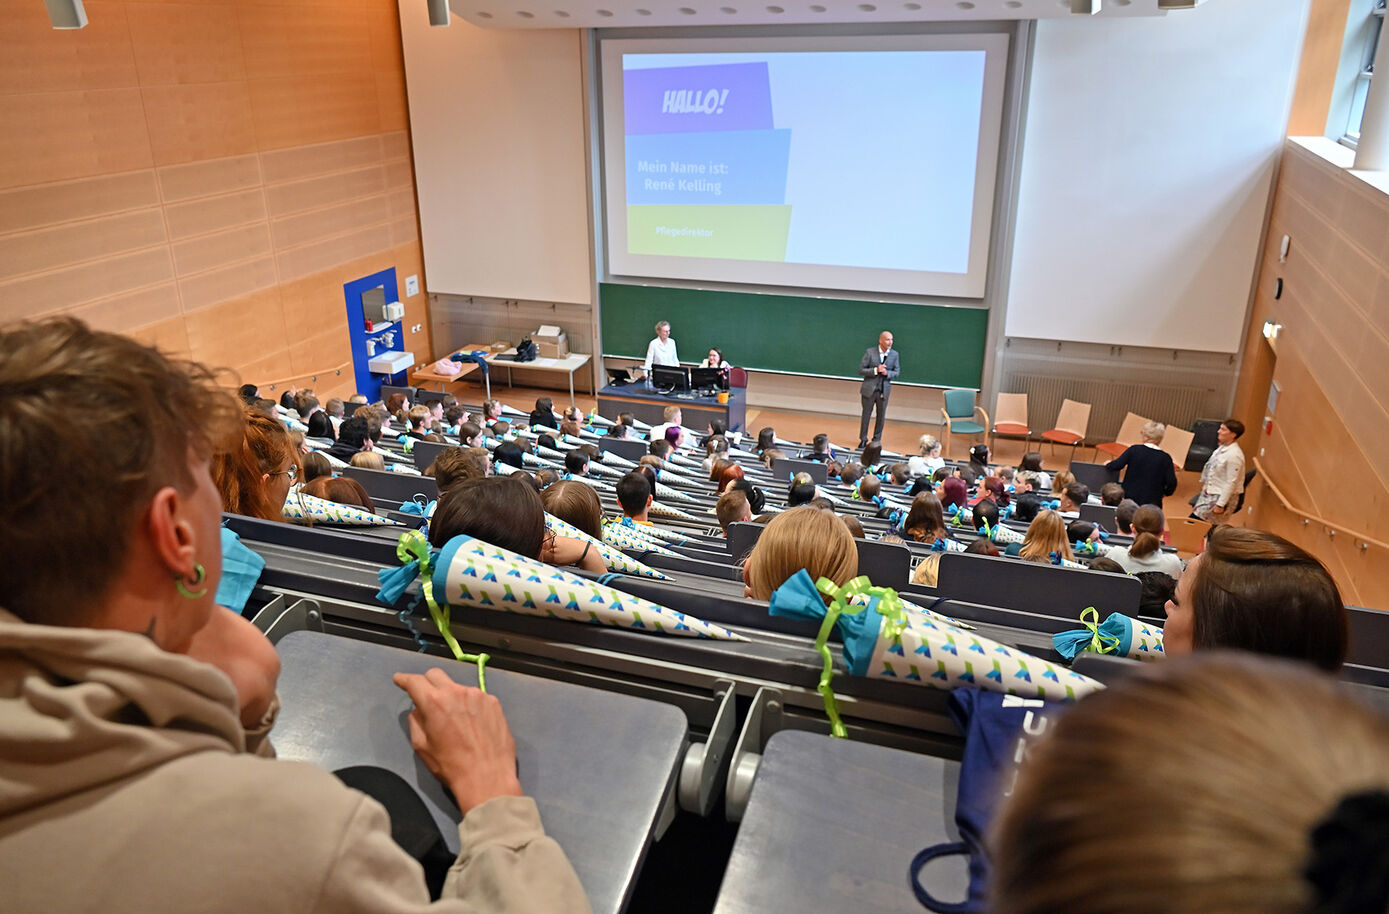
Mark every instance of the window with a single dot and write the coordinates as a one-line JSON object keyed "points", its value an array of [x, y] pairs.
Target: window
{"points": [[1362, 41]]}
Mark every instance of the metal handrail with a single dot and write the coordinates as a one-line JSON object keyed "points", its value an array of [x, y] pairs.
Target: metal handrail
{"points": [[1312, 518]]}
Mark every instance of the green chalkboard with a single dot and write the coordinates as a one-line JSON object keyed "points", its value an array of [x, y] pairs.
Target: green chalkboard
{"points": [[939, 346]]}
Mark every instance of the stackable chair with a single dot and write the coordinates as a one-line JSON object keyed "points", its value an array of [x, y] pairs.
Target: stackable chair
{"points": [[959, 413], [1071, 424], [1010, 418], [1130, 433]]}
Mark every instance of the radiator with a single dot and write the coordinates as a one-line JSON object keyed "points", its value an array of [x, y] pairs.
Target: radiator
{"points": [[1109, 402]]}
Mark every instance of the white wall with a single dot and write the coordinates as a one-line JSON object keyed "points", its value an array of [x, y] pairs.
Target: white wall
{"points": [[1147, 163], [497, 124]]}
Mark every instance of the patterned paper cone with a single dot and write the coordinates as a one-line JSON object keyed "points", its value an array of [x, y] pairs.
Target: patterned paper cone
{"points": [[1005, 536], [301, 507], [613, 460], [469, 572], [405, 469], [659, 510], [889, 642], [336, 463], [513, 411], [621, 536], [666, 493], [614, 557], [597, 484], [597, 469], [671, 476], [531, 460], [1121, 635], [549, 453]]}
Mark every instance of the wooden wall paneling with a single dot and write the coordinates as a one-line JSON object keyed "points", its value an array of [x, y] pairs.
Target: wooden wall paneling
{"points": [[170, 337], [317, 225], [38, 58], [299, 110], [58, 290], [315, 193], [51, 136], [320, 352], [132, 310], [213, 214], [78, 242], [219, 286], [323, 255], [185, 44], [204, 179], [302, 162], [205, 121], [313, 303], [28, 208], [393, 107], [1316, 76], [235, 331], [208, 252], [395, 145], [293, 40]]}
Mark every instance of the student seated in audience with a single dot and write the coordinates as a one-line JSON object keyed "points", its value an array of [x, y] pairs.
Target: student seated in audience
{"points": [[544, 478], [574, 503], [766, 438], [715, 449], [634, 496], [619, 430], [899, 475], [544, 413], [757, 499], [927, 571], [469, 435], [953, 493], [419, 419], [925, 521], [491, 412], [315, 465], [853, 523], [1045, 536], [509, 453], [248, 393], [675, 437], [1032, 463], [1006, 474], [659, 447], [851, 472], [354, 435], [456, 463], [997, 491], [804, 537], [357, 400], [1262, 786], [119, 664], [985, 514], [716, 428], [801, 490], [869, 488], [321, 426], [717, 467], [673, 418], [570, 428], [1254, 591], [771, 455], [1071, 498], [340, 489], [369, 460], [1059, 480], [266, 407], [1107, 564], [731, 508], [306, 404], [979, 458], [627, 419], [982, 546], [928, 460], [1146, 552], [500, 430], [454, 417], [1158, 588], [254, 475], [1026, 507], [1111, 493], [1027, 482], [1123, 516], [576, 463], [287, 398], [507, 512], [820, 450], [871, 456], [335, 409]]}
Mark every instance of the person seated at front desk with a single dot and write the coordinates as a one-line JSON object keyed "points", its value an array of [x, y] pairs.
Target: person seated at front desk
{"points": [[714, 359]]}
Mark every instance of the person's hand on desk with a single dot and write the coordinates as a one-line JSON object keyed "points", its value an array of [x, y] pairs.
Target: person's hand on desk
{"points": [[461, 735]]}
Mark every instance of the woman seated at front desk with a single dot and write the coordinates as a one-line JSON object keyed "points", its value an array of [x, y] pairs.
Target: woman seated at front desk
{"points": [[714, 359]]}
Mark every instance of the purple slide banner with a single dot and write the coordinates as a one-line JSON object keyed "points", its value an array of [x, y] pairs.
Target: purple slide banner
{"points": [[715, 97]]}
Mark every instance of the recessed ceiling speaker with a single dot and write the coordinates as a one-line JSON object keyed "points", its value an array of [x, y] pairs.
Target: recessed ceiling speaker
{"points": [[66, 14], [438, 12], [1085, 7]]}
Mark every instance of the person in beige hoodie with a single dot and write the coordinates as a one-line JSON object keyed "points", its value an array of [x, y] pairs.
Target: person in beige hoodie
{"points": [[135, 768]]}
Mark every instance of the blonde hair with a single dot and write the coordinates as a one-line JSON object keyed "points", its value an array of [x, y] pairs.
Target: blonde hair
{"points": [[1045, 535], [928, 572], [805, 537], [1230, 763], [928, 443], [368, 460], [1153, 431], [1060, 480]]}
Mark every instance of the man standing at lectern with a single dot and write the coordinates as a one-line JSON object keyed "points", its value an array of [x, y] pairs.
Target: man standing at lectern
{"points": [[879, 366]]}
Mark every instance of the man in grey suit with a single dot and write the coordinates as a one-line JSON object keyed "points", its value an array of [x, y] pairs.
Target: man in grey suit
{"points": [[879, 366]]}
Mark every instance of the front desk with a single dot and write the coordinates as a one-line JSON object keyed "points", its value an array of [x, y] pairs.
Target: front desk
{"points": [[649, 406]]}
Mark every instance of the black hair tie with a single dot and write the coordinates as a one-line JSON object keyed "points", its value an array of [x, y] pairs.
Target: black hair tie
{"points": [[1349, 866]]}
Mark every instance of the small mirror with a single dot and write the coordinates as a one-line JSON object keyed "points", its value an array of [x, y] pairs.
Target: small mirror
{"points": [[373, 305]]}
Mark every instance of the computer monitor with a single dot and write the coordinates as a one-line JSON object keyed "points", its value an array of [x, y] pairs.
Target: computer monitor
{"points": [[669, 378], [617, 377], [709, 378]]}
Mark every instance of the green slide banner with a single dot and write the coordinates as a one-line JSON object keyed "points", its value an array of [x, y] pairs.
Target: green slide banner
{"points": [[749, 232]]}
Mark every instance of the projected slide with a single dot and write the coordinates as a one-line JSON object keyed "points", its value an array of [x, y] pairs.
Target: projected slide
{"points": [[853, 164]]}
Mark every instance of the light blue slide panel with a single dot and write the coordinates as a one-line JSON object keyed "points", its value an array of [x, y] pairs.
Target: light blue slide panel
{"points": [[716, 168]]}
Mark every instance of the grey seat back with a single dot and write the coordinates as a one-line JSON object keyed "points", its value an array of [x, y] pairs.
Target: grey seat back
{"points": [[1092, 475], [786, 467], [1036, 587], [625, 448], [397, 487]]}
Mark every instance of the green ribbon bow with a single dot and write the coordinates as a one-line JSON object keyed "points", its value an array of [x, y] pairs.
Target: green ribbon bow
{"points": [[1099, 644], [889, 606], [414, 546]]}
